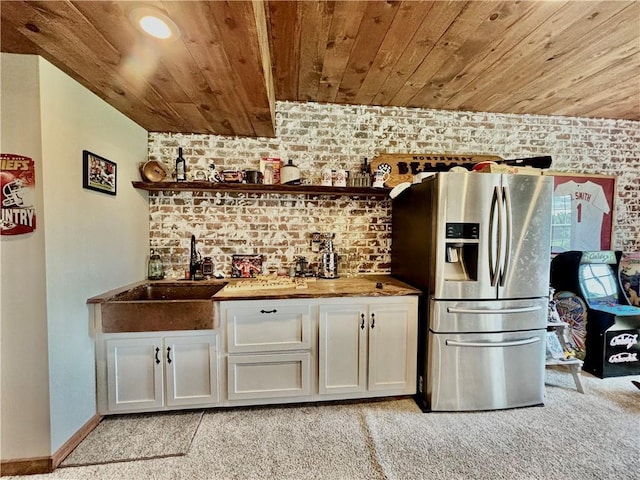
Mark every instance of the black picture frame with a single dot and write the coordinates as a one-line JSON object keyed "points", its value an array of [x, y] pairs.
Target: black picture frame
{"points": [[99, 174]]}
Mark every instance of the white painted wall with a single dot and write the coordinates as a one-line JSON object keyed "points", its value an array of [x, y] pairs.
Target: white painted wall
{"points": [[93, 242], [24, 367]]}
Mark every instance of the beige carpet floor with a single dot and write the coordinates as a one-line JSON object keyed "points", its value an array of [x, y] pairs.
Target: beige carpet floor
{"points": [[572, 437], [125, 438]]}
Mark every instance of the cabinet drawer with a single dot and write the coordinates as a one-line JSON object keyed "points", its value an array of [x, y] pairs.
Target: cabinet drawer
{"points": [[269, 375], [268, 326]]}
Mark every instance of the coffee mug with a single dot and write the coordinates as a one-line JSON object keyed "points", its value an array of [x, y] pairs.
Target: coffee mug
{"points": [[327, 177], [253, 176], [379, 177], [340, 179]]}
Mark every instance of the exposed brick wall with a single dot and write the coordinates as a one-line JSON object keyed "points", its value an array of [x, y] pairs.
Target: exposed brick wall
{"points": [[317, 135]]}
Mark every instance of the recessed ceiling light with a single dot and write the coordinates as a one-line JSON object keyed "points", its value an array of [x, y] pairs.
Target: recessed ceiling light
{"points": [[155, 26], [155, 23]]}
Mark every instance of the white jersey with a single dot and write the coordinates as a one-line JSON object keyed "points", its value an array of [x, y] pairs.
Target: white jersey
{"points": [[588, 205]]}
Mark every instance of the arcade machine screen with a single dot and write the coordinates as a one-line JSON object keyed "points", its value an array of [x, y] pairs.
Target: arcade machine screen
{"points": [[598, 282], [599, 285]]}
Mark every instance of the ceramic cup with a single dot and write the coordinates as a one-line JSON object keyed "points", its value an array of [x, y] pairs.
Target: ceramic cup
{"points": [[327, 177], [379, 177], [340, 179]]}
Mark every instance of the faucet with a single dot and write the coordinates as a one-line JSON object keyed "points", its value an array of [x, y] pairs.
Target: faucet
{"points": [[194, 264]]}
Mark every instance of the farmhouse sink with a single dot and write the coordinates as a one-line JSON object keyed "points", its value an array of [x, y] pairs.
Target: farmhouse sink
{"points": [[169, 291], [161, 307]]}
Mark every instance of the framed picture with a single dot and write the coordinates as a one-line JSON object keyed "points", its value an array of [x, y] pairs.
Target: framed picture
{"points": [[98, 173], [583, 212], [246, 266]]}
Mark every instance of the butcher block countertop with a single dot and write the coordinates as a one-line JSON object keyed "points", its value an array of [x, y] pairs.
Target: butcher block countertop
{"points": [[360, 286], [285, 288]]}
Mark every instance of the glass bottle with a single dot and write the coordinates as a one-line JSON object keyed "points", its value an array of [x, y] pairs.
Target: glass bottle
{"points": [[181, 167]]}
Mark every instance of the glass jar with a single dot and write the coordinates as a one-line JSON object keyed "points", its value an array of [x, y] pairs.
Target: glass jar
{"points": [[207, 267], [155, 268]]}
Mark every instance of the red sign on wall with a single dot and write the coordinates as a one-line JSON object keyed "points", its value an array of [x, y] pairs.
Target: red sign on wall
{"points": [[17, 194]]}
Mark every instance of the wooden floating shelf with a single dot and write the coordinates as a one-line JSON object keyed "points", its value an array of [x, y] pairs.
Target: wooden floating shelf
{"points": [[259, 188]]}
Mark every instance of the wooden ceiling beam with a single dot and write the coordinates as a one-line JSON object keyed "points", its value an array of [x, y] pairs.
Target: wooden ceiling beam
{"points": [[284, 38], [268, 112]]}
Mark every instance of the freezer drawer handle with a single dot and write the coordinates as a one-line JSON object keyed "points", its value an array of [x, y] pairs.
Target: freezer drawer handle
{"points": [[516, 343], [485, 311]]}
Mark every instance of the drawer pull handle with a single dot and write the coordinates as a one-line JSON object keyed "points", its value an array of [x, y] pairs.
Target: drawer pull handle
{"points": [[513, 343], [168, 354], [478, 311], [157, 352], [269, 311], [362, 324], [373, 320]]}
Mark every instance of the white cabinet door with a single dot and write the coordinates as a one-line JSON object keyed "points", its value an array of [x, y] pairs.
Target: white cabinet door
{"points": [[392, 347], [134, 373], [368, 345], [191, 370], [342, 352]]}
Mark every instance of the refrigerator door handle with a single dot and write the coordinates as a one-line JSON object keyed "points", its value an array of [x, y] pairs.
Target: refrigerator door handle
{"points": [[478, 311], [506, 204], [494, 243], [514, 343]]}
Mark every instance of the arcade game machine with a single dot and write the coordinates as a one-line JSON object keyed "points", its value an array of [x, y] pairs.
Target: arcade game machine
{"points": [[612, 324]]}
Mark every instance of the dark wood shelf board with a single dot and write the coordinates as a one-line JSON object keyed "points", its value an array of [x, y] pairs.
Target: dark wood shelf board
{"points": [[259, 188]]}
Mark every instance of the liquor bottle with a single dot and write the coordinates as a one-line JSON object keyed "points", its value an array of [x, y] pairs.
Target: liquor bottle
{"points": [[181, 167], [366, 173], [366, 168]]}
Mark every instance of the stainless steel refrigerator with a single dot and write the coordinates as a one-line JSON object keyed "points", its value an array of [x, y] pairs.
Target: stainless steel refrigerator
{"points": [[478, 245]]}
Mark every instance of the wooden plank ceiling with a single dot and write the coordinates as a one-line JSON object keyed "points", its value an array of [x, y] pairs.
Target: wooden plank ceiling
{"points": [[234, 59]]}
